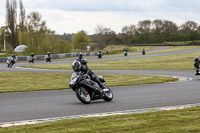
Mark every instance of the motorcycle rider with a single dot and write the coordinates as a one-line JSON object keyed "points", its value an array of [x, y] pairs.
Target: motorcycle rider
{"points": [[143, 51], [99, 54], [83, 69], [196, 65], [48, 57], [32, 55], [12, 59], [31, 59], [48, 54], [80, 56], [14, 56], [125, 52]]}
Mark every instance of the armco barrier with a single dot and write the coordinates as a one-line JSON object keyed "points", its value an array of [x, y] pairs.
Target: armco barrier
{"points": [[87, 54], [3, 59], [54, 56], [61, 55], [40, 57], [68, 54], [21, 58]]}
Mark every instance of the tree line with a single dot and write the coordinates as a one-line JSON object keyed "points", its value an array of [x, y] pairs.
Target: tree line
{"points": [[148, 32], [31, 30]]}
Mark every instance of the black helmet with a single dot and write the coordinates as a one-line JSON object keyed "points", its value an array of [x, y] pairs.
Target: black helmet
{"points": [[80, 55], [196, 58], [84, 61], [76, 66]]}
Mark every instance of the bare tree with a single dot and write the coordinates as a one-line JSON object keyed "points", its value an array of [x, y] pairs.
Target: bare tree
{"points": [[103, 36], [128, 34], [157, 30], [144, 29], [99, 29], [189, 26], [22, 16], [36, 24], [169, 28], [11, 21], [144, 26]]}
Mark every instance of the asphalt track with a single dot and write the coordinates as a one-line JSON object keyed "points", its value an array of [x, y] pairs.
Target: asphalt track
{"points": [[20, 106]]}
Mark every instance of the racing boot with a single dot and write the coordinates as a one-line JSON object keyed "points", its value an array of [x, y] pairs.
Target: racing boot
{"points": [[99, 92], [197, 73]]}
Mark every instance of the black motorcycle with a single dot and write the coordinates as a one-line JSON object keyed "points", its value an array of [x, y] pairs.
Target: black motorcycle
{"points": [[196, 66], [84, 88], [10, 62], [48, 59], [99, 55], [31, 60], [125, 53], [143, 52]]}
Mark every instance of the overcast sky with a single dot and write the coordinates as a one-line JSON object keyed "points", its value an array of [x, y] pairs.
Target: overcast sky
{"points": [[71, 16]]}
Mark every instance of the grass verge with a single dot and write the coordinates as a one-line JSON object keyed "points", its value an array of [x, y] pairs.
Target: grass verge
{"points": [[117, 49], [179, 121], [167, 62], [170, 49], [27, 81], [183, 42], [176, 48]]}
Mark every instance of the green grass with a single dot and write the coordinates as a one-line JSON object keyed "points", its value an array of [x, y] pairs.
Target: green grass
{"points": [[171, 49], [176, 48], [27, 81], [139, 49], [174, 121], [117, 49], [181, 42], [167, 62]]}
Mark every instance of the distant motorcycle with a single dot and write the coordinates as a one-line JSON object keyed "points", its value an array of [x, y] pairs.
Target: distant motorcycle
{"points": [[11, 62], [125, 53], [196, 65], [84, 88], [48, 59], [143, 52], [99, 55], [31, 60]]}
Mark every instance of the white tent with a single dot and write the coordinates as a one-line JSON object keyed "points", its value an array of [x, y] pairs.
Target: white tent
{"points": [[20, 48]]}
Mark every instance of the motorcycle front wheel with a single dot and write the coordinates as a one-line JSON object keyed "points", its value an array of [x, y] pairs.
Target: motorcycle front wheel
{"points": [[108, 95], [11, 64], [83, 95]]}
